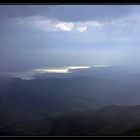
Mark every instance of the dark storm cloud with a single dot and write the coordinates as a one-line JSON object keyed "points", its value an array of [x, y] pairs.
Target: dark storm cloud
{"points": [[89, 12], [67, 12]]}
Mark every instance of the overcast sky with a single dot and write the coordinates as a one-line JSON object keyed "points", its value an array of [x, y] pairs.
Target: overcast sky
{"points": [[65, 35]]}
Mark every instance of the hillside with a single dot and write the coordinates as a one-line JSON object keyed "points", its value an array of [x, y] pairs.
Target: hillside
{"points": [[109, 121], [46, 101]]}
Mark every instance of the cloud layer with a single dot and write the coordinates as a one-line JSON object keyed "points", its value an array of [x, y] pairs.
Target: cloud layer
{"points": [[46, 24]]}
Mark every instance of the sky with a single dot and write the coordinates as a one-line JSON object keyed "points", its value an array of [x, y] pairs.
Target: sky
{"points": [[33, 36]]}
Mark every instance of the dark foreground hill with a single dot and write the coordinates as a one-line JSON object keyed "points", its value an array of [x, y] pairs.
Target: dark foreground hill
{"points": [[45, 106], [111, 120]]}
